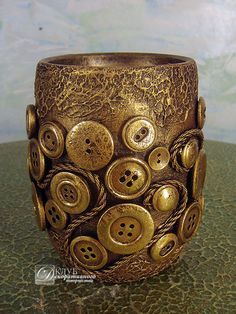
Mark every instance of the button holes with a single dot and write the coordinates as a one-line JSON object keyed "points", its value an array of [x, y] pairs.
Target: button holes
{"points": [[72, 197], [190, 218], [127, 172], [53, 143], [159, 154], [122, 225], [135, 177], [88, 151], [66, 195], [158, 161], [137, 137], [82, 250], [57, 217], [87, 141], [189, 226], [120, 233], [65, 189], [130, 234], [71, 191], [50, 212], [86, 256], [129, 184], [194, 216], [53, 209], [144, 131], [93, 255], [89, 248], [53, 219], [122, 179], [131, 226], [48, 136], [193, 224]]}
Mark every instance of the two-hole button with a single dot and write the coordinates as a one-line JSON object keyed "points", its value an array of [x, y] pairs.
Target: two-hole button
{"points": [[128, 177], [164, 248], [159, 158], [139, 133]]}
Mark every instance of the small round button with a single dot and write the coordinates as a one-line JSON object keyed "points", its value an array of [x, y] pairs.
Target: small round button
{"points": [[128, 177], [159, 158], [36, 159], [199, 174], [125, 228], [55, 216], [164, 247], [139, 133], [90, 145], [70, 192], [189, 153], [31, 121], [38, 207], [166, 198], [51, 139], [189, 222], [201, 113], [88, 252]]}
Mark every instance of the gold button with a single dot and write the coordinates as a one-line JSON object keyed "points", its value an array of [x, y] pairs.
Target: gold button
{"points": [[201, 201], [51, 139], [36, 159], [125, 228], [38, 207], [31, 121], [55, 216], [201, 113], [90, 145], [189, 222], [166, 198], [199, 174], [189, 153], [159, 158], [164, 247], [128, 177], [88, 252], [70, 192], [139, 133]]}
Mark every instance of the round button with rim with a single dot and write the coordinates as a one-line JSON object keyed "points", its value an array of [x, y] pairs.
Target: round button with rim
{"points": [[36, 160], [166, 198], [159, 158], [125, 228], [164, 248], [139, 133], [189, 222], [199, 174], [51, 139], [90, 145], [55, 216], [70, 192], [189, 153], [128, 177], [88, 252], [38, 207], [31, 121], [201, 113]]}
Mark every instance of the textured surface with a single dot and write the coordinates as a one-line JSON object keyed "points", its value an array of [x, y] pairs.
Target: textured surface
{"points": [[202, 282], [204, 30]]}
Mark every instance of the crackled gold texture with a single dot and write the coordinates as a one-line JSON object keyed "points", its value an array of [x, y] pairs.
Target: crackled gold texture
{"points": [[108, 149]]}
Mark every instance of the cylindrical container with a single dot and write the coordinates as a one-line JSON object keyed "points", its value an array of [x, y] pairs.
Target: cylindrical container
{"points": [[116, 160]]}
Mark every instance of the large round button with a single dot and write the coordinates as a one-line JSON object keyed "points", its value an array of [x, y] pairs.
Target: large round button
{"points": [[31, 121], [125, 228], [159, 158], [88, 252], [70, 192], [90, 145], [201, 113], [164, 248], [166, 198], [139, 133], [38, 207], [189, 153], [128, 177], [199, 174], [36, 160], [189, 222], [51, 139], [55, 216]]}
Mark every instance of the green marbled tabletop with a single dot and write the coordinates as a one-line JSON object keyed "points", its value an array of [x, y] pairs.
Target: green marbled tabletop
{"points": [[202, 282]]}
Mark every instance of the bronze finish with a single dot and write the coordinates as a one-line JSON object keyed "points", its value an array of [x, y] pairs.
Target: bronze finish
{"points": [[133, 122]]}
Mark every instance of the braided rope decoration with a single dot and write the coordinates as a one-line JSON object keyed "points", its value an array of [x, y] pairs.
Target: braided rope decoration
{"points": [[178, 145], [160, 231]]}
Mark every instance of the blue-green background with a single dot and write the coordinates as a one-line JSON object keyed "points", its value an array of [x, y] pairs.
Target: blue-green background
{"points": [[204, 30]]}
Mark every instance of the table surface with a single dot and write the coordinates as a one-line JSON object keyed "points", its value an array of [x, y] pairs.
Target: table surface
{"points": [[202, 282]]}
